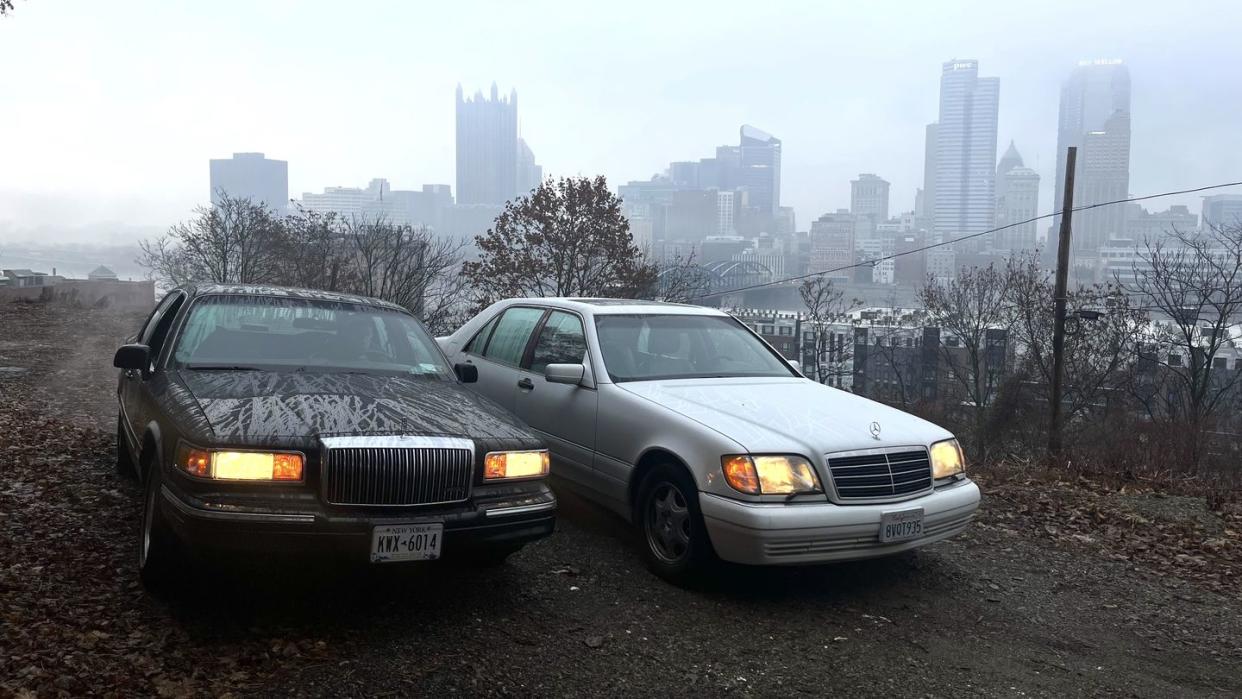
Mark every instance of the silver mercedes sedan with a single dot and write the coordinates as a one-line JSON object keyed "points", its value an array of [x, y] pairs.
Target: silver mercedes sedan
{"points": [[689, 425]]}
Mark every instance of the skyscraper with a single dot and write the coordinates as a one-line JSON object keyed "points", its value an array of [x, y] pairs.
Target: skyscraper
{"points": [[869, 197], [487, 148], [1095, 117], [1017, 199], [965, 185], [529, 173], [254, 177], [1222, 210], [929, 175], [761, 169]]}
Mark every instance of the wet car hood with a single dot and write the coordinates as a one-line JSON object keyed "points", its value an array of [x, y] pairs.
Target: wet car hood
{"points": [[243, 406], [783, 415]]}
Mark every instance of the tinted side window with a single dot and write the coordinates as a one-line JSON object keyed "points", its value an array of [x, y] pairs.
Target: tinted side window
{"points": [[153, 320], [159, 332], [479, 341], [560, 342], [511, 335]]}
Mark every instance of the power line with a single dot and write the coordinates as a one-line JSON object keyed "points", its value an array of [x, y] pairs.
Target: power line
{"points": [[925, 248]]}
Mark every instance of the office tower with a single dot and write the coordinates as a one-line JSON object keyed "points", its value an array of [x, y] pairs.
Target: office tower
{"points": [[1017, 201], [1222, 210], [832, 244], [928, 210], [1095, 117], [726, 213], [760, 155], [487, 148], [529, 173], [254, 177], [965, 195], [869, 197]]}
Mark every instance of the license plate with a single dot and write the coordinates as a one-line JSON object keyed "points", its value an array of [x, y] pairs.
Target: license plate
{"points": [[406, 542], [901, 526]]}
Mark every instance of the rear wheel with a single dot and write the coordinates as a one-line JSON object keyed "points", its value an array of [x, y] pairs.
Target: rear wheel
{"points": [[124, 457], [674, 539], [159, 561]]}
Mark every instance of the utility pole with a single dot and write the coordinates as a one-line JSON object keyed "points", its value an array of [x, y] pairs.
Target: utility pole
{"points": [[1060, 294]]}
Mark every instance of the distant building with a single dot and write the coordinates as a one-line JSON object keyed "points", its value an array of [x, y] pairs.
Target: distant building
{"points": [[1143, 225], [101, 274], [965, 185], [761, 169], [1095, 117], [529, 173], [487, 148], [833, 244], [22, 278], [1222, 210], [869, 197], [726, 212], [252, 176], [425, 207], [927, 211], [1017, 201]]}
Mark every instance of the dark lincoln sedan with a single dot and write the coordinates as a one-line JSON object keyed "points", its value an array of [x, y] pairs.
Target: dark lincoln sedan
{"points": [[276, 420]]}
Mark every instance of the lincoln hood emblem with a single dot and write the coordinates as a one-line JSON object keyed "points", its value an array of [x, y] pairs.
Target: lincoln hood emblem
{"points": [[875, 430]]}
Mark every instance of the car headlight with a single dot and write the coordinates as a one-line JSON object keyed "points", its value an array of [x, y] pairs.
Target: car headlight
{"points": [[947, 459], [224, 465], [770, 474], [505, 465]]}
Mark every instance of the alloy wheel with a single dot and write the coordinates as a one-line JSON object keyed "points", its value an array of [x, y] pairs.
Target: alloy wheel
{"points": [[668, 523]]}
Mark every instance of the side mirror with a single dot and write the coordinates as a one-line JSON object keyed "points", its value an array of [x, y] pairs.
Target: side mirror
{"points": [[564, 373], [466, 373], [132, 357]]}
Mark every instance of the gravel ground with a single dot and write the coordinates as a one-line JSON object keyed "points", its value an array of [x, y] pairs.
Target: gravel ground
{"points": [[1056, 591]]}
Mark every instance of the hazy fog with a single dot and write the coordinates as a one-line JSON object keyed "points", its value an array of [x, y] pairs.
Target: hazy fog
{"points": [[110, 111]]}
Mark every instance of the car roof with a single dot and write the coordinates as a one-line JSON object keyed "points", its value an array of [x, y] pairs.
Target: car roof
{"points": [[197, 290], [607, 306]]}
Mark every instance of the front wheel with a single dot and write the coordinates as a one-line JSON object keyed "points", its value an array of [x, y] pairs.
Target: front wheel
{"points": [[675, 542], [159, 561]]}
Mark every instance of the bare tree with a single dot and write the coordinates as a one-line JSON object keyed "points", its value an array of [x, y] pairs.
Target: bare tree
{"points": [[966, 308], [567, 237], [235, 241], [900, 362], [316, 252], [6, 6], [681, 280], [1100, 344], [1194, 278], [825, 303], [409, 267]]}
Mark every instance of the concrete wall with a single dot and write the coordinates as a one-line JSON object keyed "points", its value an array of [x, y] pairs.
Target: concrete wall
{"points": [[101, 294]]}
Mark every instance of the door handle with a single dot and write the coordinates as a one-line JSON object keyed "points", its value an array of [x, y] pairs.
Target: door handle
{"points": [[526, 384]]}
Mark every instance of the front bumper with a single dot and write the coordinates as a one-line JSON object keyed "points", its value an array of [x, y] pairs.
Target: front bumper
{"points": [[779, 534], [505, 521]]}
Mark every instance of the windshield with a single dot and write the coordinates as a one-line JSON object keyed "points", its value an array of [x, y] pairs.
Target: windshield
{"points": [[646, 347], [261, 332]]}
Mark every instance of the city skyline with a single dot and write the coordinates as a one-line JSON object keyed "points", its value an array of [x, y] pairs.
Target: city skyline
{"points": [[623, 117]]}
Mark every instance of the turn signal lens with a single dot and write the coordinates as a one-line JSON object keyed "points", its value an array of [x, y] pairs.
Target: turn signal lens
{"points": [[499, 465], [740, 474], [947, 459], [195, 462]]}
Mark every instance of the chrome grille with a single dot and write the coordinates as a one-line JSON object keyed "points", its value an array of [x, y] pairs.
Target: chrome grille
{"points": [[397, 471], [879, 473]]}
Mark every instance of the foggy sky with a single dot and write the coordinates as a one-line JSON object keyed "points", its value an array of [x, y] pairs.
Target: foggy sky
{"points": [[109, 112]]}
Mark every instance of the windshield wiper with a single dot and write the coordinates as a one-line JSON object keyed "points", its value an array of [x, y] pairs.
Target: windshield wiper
{"points": [[221, 367]]}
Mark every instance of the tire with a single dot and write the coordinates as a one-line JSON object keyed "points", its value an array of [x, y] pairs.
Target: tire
{"points": [[673, 537], [124, 457], [159, 559]]}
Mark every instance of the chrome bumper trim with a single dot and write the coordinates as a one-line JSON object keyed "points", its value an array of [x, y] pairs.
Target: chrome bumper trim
{"points": [[519, 510], [231, 516]]}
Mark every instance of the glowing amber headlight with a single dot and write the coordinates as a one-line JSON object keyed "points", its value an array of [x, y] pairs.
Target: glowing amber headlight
{"points": [[770, 474], [947, 459], [240, 465], [515, 464]]}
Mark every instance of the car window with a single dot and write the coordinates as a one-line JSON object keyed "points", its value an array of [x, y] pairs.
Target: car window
{"points": [[276, 334], [153, 320], [479, 341], [561, 341], [646, 347], [508, 341], [160, 330]]}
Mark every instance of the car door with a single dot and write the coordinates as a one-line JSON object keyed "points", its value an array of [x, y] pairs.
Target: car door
{"points": [[131, 380], [564, 415], [498, 350]]}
